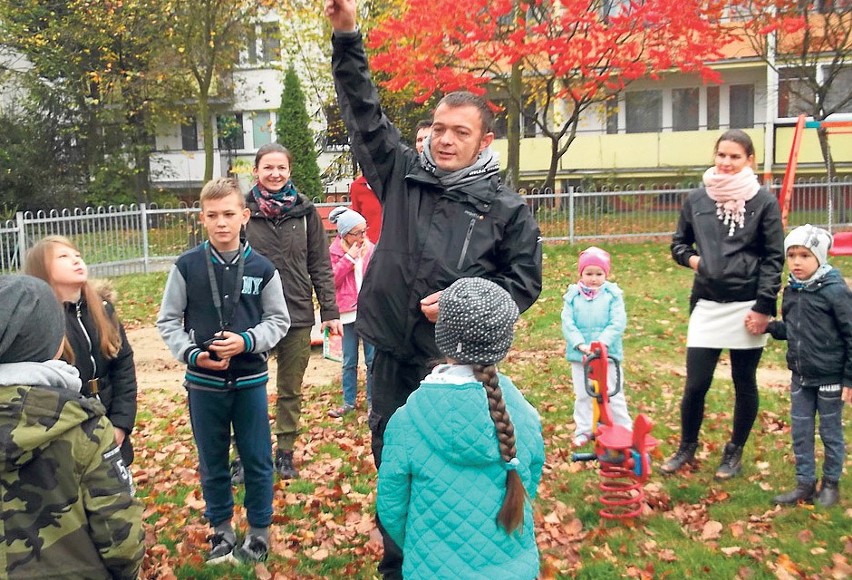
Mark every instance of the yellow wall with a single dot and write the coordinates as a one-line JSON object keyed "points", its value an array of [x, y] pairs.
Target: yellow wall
{"points": [[809, 152], [627, 152]]}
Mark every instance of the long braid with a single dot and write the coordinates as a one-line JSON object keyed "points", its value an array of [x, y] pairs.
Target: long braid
{"points": [[511, 514]]}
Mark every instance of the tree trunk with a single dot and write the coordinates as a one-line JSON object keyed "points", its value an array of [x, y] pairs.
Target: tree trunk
{"points": [[550, 180], [825, 148], [207, 134], [513, 134]]}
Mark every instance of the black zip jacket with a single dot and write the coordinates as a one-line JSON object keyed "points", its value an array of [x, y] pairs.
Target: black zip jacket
{"points": [[297, 245], [116, 377], [430, 236], [744, 266], [817, 326]]}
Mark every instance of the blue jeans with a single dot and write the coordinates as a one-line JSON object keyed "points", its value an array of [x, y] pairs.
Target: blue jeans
{"points": [[212, 413], [806, 402], [350, 365]]}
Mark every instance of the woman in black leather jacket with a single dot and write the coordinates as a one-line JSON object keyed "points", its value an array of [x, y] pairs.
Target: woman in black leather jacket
{"points": [[98, 344], [730, 234]]}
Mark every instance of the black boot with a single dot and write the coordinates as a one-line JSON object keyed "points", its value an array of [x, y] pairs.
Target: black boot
{"points": [[829, 493], [284, 465], [732, 462], [804, 493], [685, 454], [238, 474]]}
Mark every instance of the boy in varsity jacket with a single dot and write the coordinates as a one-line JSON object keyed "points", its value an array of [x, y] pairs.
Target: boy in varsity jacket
{"points": [[223, 308]]}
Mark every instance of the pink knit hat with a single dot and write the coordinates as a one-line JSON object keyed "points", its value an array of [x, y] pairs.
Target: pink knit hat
{"points": [[594, 256]]}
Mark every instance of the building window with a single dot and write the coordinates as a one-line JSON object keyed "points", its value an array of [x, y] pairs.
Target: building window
{"points": [[794, 95], [270, 42], [501, 119], [264, 47], [644, 111], [741, 106], [840, 91], [528, 119], [685, 109], [612, 115], [712, 108], [261, 124], [231, 136], [189, 134]]}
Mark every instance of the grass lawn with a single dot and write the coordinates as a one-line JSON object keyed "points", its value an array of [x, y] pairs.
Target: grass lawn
{"points": [[694, 526]]}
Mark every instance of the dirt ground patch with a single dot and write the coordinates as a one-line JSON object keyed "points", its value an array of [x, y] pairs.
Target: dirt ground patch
{"points": [[778, 379], [156, 368]]}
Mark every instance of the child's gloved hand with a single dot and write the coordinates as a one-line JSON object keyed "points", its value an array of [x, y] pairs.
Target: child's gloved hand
{"points": [[584, 348]]}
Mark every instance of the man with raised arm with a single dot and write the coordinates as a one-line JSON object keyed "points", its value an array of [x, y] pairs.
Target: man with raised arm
{"points": [[446, 216]]}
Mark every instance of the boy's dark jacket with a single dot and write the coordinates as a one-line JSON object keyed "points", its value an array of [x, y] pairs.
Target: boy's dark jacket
{"points": [[188, 317], [817, 326], [116, 377]]}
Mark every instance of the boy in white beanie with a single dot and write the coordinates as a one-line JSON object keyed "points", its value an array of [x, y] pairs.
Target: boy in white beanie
{"points": [[817, 312]]}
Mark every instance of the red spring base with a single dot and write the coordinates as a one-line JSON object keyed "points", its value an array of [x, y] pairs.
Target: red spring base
{"points": [[621, 493]]}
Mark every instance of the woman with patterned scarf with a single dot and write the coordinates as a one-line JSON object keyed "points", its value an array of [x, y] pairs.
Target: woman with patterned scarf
{"points": [[730, 234], [286, 228]]}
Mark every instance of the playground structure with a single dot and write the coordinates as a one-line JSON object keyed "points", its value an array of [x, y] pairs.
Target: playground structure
{"points": [[622, 455], [842, 245]]}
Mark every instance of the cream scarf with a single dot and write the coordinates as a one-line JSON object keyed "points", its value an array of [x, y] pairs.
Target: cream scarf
{"points": [[731, 192]]}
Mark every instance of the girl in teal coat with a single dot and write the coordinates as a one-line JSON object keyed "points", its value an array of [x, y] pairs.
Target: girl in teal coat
{"points": [[593, 310], [463, 457]]}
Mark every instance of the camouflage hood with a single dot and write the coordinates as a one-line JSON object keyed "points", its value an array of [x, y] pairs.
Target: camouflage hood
{"points": [[34, 414]]}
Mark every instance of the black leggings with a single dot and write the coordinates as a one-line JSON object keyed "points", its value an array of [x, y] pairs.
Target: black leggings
{"points": [[700, 364]]}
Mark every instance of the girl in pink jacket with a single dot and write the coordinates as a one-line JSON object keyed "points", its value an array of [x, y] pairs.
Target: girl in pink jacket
{"points": [[350, 254]]}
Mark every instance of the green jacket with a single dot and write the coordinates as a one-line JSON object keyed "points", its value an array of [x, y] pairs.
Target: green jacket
{"points": [[65, 494]]}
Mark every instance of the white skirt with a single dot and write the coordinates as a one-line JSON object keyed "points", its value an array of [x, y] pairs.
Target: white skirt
{"points": [[722, 325]]}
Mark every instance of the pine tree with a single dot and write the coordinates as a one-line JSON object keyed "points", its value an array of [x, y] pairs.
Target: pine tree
{"points": [[294, 132]]}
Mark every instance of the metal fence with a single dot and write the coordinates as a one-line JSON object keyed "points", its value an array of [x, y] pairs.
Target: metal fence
{"points": [[130, 239]]}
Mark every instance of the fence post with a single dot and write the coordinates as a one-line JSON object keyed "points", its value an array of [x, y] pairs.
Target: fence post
{"points": [[22, 239], [143, 218], [571, 214]]}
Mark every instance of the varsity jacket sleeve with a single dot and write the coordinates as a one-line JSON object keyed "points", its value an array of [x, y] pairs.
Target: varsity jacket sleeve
{"points": [[275, 321], [376, 143], [520, 253], [393, 494], [170, 318], [319, 268], [772, 262], [122, 375]]}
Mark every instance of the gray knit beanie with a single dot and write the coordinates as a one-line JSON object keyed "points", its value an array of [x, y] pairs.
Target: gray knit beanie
{"points": [[815, 239], [476, 320], [32, 323]]}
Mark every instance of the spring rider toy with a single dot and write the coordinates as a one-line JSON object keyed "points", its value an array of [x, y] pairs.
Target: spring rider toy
{"points": [[622, 454]]}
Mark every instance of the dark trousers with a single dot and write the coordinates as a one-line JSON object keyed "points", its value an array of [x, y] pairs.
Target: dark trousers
{"points": [[805, 403], [700, 364], [393, 381], [212, 413]]}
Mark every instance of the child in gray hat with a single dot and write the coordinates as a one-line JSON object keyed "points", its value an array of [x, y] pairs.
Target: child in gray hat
{"points": [[465, 452], [817, 325]]}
